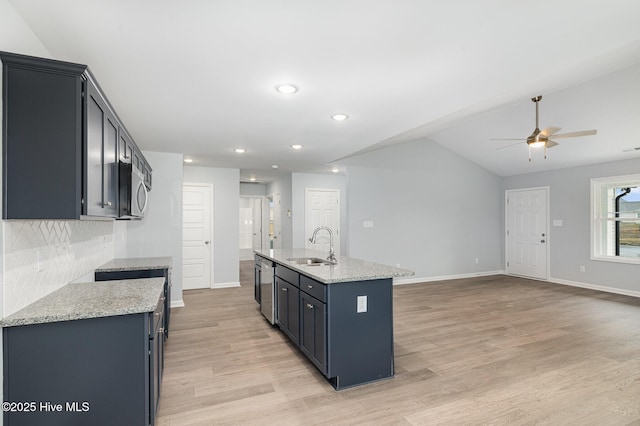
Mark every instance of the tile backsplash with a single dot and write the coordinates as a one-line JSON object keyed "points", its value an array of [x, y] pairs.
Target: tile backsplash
{"points": [[40, 256]]}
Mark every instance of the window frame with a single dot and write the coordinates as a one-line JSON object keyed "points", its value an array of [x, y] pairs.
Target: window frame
{"points": [[597, 216]]}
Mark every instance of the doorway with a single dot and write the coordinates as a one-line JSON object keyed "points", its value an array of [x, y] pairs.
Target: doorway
{"points": [[250, 226], [322, 208], [527, 233], [274, 222], [197, 236]]}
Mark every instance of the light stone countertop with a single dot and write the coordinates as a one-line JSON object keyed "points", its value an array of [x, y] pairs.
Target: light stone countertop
{"points": [[136, 264], [78, 301], [347, 269]]}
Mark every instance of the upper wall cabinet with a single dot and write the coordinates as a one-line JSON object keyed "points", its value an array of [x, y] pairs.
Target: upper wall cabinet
{"points": [[62, 141]]}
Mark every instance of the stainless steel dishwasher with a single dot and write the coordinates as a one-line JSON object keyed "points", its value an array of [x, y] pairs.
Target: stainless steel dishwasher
{"points": [[267, 290]]}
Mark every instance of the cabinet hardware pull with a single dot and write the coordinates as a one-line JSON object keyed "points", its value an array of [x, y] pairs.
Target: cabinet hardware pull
{"points": [[284, 289], [107, 204], [310, 306], [310, 286]]}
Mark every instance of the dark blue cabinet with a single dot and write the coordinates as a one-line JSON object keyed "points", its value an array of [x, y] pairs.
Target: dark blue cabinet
{"points": [[99, 371], [61, 141], [288, 303], [345, 329]]}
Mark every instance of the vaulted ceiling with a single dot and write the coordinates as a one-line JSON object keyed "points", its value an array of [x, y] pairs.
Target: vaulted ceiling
{"points": [[199, 76]]}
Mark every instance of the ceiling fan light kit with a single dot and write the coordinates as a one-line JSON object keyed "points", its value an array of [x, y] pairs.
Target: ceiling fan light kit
{"points": [[540, 138]]}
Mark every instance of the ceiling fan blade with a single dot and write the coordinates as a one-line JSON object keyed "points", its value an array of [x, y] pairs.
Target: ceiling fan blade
{"points": [[550, 131], [576, 134], [551, 144], [508, 146], [507, 139]]}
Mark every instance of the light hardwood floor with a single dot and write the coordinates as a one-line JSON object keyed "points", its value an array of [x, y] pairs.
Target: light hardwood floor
{"points": [[488, 350]]}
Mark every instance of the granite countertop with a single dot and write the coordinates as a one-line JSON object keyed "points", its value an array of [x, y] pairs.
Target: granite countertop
{"points": [[136, 264], [347, 268], [77, 301]]}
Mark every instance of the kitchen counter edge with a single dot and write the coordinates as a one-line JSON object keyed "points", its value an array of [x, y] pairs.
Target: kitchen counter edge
{"points": [[346, 270], [136, 264], [77, 301]]}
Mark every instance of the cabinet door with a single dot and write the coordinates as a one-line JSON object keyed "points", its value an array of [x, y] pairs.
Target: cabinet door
{"points": [[136, 158], [126, 147], [110, 167], [101, 157], [256, 284], [147, 175], [282, 289], [288, 309], [156, 367], [313, 317], [96, 114]]}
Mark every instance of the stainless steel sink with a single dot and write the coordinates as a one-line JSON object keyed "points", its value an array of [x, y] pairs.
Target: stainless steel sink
{"points": [[310, 261]]}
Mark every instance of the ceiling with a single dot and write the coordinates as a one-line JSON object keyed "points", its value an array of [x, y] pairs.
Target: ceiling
{"points": [[198, 77]]}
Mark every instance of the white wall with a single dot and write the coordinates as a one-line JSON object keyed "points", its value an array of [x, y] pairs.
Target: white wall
{"points": [[15, 34], [569, 245], [299, 183], [226, 205], [433, 211], [159, 234], [283, 187]]}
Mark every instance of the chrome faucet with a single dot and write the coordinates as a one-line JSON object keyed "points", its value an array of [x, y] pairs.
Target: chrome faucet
{"points": [[332, 254]]}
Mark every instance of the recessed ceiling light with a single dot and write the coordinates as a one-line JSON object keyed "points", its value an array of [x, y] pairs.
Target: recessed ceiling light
{"points": [[286, 89], [335, 170], [188, 160], [275, 166], [252, 179], [240, 150], [339, 117], [296, 146]]}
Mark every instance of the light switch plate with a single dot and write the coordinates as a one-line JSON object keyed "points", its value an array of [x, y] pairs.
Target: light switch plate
{"points": [[362, 304], [367, 224], [557, 222]]}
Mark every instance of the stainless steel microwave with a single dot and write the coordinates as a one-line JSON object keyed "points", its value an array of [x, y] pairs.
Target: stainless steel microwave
{"points": [[133, 192]]}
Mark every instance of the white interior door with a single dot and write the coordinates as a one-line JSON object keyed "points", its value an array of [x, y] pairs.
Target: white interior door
{"points": [[197, 236], [322, 208], [527, 232], [257, 223], [277, 222]]}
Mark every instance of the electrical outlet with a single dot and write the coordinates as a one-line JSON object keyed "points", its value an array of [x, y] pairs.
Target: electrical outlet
{"points": [[582, 268], [477, 260], [362, 304]]}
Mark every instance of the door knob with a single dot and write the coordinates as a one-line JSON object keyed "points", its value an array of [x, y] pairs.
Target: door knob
{"points": [[206, 242], [542, 241]]}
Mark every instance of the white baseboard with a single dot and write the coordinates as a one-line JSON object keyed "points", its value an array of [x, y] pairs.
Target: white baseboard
{"points": [[415, 280], [177, 303], [226, 285], [596, 287]]}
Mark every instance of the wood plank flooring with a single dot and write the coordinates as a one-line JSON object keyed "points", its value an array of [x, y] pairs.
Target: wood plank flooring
{"points": [[490, 350]]}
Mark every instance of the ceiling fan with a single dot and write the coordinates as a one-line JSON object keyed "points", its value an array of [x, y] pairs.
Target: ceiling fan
{"points": [[540, 138]]}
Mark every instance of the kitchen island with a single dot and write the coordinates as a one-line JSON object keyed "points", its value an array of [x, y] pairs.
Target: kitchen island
{"points": [[88, 353], [339, 315]]}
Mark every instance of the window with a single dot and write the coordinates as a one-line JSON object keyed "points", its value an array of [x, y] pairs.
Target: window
{"points": [[615, 216]]}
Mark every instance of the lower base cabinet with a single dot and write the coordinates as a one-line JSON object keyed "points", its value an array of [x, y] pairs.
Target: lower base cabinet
{"points": [[313, 330], [98, 371], [287, 311], [345, 329]]}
